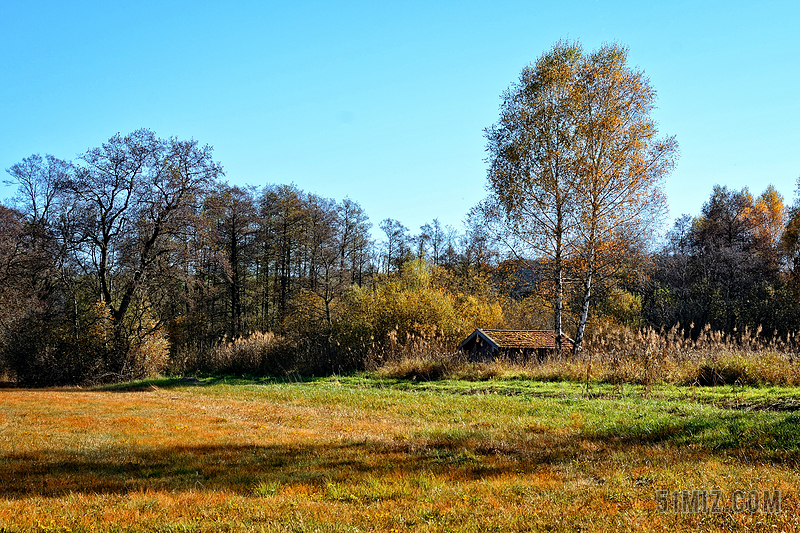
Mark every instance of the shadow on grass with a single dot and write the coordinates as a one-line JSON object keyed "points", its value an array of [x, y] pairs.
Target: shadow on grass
{"points": [[172, 382], [158, 383], [192, 381], [450, 456], [761, 436], [240, 469]]}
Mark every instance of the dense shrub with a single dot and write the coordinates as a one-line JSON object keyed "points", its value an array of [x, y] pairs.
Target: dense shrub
{"points": [[255, 354], [48, 348], [411, 307]]}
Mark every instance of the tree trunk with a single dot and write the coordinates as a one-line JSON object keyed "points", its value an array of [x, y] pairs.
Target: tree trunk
{"points": [[587, 296], [557, 316], [559, 278]]}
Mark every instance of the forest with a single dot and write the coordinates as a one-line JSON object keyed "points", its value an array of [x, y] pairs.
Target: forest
{"points": [[138, 258]]}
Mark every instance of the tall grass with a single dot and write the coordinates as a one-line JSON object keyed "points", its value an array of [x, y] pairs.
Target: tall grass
{"points": [[645, 357], [267, 354], [624, 356], [712, 358], [254, 354]]}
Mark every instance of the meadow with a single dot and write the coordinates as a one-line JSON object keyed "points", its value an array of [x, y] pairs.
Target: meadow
{"points": [[371, 452]]}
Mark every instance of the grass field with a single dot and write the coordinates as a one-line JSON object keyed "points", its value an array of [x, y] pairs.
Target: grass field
{"points": [[371, 454]]}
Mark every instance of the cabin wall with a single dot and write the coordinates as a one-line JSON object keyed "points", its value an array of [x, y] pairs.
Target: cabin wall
{"points": [[481, 353], [525, 355]]}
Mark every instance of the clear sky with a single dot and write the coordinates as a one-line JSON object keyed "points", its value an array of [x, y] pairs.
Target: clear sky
{"points": [[386, 102]]}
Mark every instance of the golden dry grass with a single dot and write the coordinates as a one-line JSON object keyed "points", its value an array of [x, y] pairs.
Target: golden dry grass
{"points": [[345, 455], [625, 356]]}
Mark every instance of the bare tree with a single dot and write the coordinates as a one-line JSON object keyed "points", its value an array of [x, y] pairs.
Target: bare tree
{"points": [[396, 243], [231, 212], [354, 239], [37, 180], [128, 200]]}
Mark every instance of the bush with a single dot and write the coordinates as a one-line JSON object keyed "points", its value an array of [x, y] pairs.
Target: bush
{"points": [[410, 307], [46, 348]]}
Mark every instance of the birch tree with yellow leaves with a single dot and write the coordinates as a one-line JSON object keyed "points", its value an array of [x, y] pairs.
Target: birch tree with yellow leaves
{"points": [[576, 165], [621, 165]]}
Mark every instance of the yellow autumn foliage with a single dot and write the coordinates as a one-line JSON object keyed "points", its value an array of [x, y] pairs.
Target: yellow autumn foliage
{"points": [[409, 306]]}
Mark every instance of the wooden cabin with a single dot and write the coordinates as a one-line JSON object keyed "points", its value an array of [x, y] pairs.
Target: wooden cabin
{"points": [[517, 345]]}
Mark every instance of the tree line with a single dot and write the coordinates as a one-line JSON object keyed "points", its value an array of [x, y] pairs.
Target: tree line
{"points": [[733, 268], [138, 257], [112, 264]]}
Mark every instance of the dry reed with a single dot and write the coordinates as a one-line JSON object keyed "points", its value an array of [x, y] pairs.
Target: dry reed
{"points": [[244, 355], [625, 356]]}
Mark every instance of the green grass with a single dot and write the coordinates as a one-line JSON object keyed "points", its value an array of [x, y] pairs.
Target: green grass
{"points": [[365, 453]]}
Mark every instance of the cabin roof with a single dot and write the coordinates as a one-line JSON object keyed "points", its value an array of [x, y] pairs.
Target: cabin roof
{"points": [[518, 339]]}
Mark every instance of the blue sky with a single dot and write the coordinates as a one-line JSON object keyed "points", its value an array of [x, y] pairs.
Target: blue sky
{"points": [[386, 103]]}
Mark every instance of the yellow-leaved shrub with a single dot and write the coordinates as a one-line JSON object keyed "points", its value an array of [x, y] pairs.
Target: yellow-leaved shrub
{"points": [[409, 307]]}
